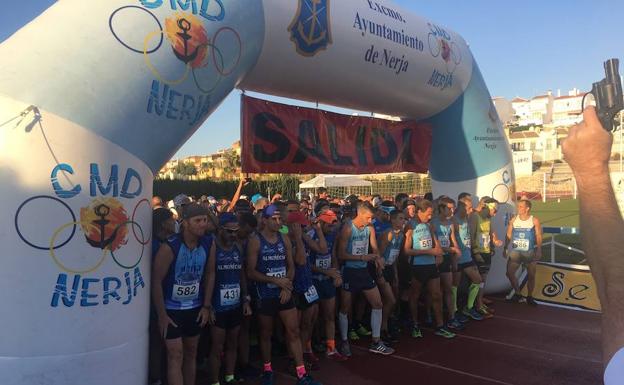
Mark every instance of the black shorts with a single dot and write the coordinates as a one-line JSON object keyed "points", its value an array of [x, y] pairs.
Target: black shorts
{"points": [[404, 271], [186, 321], [388, 274], [229, 319], [356, 280], [423, 273], [301, 303], [465, 265], [445, 266], [271, 307], [325, 289], [484, 267]]}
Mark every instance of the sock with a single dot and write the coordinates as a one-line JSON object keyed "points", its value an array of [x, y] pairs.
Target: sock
{"points": [[229, 377], [300, 371], [376, 322], [267, 367], [473, 292], [331, 345], [454, 292], [343, 320]]}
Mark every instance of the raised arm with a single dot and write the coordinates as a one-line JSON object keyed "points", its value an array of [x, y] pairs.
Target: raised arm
{"points": [[587, 150]]}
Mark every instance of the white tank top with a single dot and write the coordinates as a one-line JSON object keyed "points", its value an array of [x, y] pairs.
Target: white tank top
{"points": [[526, 224]]}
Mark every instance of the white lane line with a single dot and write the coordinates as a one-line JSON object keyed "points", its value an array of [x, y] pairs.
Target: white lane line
{"points": [[395, 356], [548, 325], [527, 348]]}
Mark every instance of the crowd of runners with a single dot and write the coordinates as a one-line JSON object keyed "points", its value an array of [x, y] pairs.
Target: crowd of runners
{"points": [[306, 277]]}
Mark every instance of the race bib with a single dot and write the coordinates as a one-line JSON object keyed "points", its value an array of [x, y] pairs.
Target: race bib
{"points": [[311, 295], [520, 244], [426, 244], [467, 242], [392, 256], [323, 262], [445, 241], [485, 241], [187, 292], [360, 247], [230, 294], [278, 273]]}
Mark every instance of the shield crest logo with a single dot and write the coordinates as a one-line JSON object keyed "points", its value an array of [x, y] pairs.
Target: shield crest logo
{"points": [[310, 28]]}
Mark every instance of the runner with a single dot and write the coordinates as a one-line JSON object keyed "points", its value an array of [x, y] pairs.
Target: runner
{"points": [[178, 275], [391, 243], [524, 232], [482, 236], [356, 237], [466, 264], [425, 254], [227, 299], [270, 265], [326, 278], [445, 232]]}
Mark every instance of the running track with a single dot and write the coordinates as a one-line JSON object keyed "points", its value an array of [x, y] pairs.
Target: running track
{"points": [[519, 346]]}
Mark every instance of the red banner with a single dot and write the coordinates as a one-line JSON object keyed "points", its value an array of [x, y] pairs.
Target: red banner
{"points": [[278, 138]]}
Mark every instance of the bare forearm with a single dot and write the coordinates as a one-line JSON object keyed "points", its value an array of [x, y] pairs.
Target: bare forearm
{"points": [[601, 226]]}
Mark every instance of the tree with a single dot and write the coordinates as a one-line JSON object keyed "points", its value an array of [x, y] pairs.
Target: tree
{"points": [[183, 168], [231, 162]]}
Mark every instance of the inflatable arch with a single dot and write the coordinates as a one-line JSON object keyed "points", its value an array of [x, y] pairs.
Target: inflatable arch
{"points": [[96, 95]]}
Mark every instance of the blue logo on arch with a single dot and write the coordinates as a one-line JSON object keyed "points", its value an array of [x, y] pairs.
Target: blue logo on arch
{"points": [[310, 30]]}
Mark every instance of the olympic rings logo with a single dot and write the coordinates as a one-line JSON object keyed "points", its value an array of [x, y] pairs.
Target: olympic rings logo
{"points": [[224, 63], [54, 243]]}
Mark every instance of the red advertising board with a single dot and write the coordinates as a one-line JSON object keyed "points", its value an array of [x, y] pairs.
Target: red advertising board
{"points": [[278, 138]]}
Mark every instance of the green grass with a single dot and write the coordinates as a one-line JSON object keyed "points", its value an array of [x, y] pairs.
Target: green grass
{"points": [[560, 214]]}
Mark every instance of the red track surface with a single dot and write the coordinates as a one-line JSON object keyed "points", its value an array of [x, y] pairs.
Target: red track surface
{"points": [[521, 345]]}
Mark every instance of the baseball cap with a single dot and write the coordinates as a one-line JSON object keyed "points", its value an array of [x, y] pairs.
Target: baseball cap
{"points": [[328, 216], [193, 210], [180, 200], [270, 210], [255, 198], [227, 218], [297, 217]]}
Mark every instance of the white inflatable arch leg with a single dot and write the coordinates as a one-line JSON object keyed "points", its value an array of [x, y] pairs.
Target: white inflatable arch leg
{"points": [[96, 95]]}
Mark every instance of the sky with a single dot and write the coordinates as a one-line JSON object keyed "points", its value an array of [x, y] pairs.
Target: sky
{"points": [[523, 48]]}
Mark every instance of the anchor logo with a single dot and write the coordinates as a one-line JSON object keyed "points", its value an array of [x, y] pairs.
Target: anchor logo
{"points": [[103, 222], [102, 211], [185, 26], [310, 28]]}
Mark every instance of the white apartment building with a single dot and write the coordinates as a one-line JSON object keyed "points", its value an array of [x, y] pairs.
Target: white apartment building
{"points": [[540, 110], [521, 110], [567, 110]]}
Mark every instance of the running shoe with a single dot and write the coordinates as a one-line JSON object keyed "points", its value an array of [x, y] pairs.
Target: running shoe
{"points": [[307, 380], [462, 318], [516, 298], [454, 324], [488, 309], [473, 313], [444, 332], [353, 336], [531, 301], [336, 356], [345, 349], [416, 333], [485, 313], [363, 331], [267, 378], [380, 348]]}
